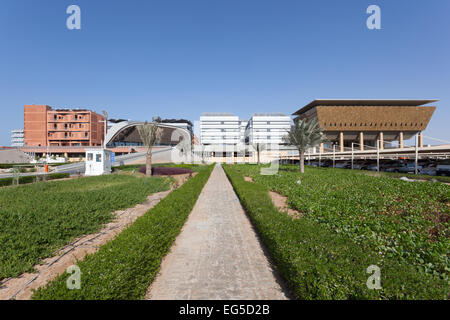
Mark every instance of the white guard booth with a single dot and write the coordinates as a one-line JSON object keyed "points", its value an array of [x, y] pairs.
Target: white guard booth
{"points": [[98, 162]]}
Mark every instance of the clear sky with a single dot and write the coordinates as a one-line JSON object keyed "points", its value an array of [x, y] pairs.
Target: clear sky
{"points": [[179, 58]]}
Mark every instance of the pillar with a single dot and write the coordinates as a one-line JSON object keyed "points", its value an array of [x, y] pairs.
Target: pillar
{"points": [[381, 140], [400, 140], [361, 141], [341, 141], [321, 147], [420, 139]]}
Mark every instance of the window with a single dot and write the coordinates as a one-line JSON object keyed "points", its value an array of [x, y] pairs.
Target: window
{"points": [[89, 156], [65, 134], [55, 126], [76, 117], [54, 117], [65, 125], [86, 134], [98, 157]]}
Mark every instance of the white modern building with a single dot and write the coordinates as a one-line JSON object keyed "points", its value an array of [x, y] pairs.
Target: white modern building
{"points": [[219, 129], [17, 138], [224, 137], [267, 128], [242, 128]]}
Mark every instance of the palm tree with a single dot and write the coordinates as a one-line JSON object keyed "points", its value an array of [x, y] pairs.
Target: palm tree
{"points": [[303, 135], [150, 133], [258, 147]]}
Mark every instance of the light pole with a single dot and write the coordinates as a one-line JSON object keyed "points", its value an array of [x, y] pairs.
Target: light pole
{"points": [[105, 125], [378, 155], [334, 152], [352, 155], [416, 154]]}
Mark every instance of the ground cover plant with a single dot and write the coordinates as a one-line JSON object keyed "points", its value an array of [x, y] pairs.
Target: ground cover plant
{"points": [[37, 219], [124, 267], [350, 221]]}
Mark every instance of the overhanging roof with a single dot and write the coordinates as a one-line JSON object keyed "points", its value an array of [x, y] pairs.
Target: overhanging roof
{"points": [[363, 102]]}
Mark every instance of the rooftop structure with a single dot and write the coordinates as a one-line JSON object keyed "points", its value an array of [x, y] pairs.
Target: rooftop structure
{"points": [[364, 122]]}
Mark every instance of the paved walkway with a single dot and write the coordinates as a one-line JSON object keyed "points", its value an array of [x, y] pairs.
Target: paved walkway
{"points": [[217, 254]]}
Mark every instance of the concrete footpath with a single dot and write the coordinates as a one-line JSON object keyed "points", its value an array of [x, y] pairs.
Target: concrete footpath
{"points": [[217, 254]]}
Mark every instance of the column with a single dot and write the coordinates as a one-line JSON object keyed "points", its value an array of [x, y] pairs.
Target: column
{"points": [[361, 141], [420, 139], [400, 140], [341, 141], [321, 147], [381, 141]]}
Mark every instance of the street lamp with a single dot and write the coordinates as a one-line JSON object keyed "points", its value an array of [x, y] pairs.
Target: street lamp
{"points": [[105, 121]]}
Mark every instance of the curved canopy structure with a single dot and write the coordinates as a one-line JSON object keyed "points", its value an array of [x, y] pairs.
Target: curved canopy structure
{"points": [[125, 133]]}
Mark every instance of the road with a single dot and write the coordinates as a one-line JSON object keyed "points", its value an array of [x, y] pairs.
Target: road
{"points": [[79, 167]]}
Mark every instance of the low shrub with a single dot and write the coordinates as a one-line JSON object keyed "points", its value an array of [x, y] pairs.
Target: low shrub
{"points": [[11, 165], [125, 266], [165, 171], [319, 264], [4, 182]]}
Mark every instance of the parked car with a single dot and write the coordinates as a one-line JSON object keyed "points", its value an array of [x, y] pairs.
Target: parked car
{"points": [[393, 167], [342, 165], [428, 170], [358, 165], [371, 167], [410, 167], [443, 170]]}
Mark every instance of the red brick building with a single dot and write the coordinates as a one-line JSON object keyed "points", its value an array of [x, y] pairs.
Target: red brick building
{"points": [[44, 126]]}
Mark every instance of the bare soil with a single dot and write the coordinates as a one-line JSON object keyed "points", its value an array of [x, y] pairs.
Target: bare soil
{"points": [[20, 288], [249, 179], [280, 202]]}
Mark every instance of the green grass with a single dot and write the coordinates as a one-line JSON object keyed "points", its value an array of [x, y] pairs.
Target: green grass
{"points": [[351, 221], [124, 267], [37, 219]]}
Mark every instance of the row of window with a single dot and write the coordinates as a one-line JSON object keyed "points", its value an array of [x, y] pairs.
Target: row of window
{"points": [[365, 124], [68, 134], [68, 125], [76, 117]]}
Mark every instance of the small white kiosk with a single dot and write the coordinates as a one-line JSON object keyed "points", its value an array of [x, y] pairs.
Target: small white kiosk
{"points": [[98, 162]]}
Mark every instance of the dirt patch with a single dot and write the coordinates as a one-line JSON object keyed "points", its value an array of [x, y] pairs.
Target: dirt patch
{"points": [[20, 288], [280, 202], [248, 179], [182, 178]]}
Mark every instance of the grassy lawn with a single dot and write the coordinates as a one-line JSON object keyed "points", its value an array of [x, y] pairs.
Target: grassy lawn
{"points": [[37, 219], [349, 222], [124, 267]]}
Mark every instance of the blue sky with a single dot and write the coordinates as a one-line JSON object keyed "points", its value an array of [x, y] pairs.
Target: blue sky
{"points": [[138, 59]]}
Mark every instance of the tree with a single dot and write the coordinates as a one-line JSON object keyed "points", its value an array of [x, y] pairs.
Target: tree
{"points": [[258, 147], [150, 133], [303, 135]]}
